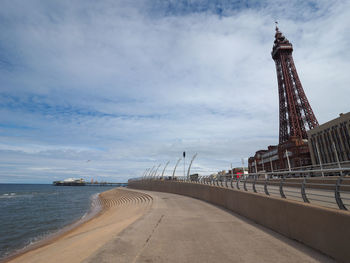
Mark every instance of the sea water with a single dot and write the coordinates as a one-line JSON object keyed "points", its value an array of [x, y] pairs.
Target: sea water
{"points": [[31, 212]]}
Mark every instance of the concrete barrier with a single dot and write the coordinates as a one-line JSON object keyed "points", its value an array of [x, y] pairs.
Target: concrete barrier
{"points": [[324, 229]]}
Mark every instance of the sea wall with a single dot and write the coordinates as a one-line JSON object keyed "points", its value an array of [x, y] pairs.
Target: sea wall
{"points": [[324, 229]]}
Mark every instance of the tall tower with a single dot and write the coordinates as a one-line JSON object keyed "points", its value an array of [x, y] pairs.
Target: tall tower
{"points": [[296, 116], [295, 110]]}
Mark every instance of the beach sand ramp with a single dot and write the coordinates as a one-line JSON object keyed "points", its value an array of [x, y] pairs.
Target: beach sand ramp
{"points": [[120, 208]]}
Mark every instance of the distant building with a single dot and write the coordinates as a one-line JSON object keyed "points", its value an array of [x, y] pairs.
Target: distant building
{"points": [[264, 160], [236, 172], [330, 140]]}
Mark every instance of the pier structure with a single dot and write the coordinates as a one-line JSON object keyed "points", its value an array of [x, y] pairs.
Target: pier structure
{"points": [[82, 182], [106, 184]]}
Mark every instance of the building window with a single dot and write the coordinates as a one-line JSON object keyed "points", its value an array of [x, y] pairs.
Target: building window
{"points": [[321, 149], [337, 144], [343, 138], [347, 139], [341, 150], [314, 150], [329, 147]]}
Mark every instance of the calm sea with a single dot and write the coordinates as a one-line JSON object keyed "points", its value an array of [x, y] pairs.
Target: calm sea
{"points": [[31, 212]]}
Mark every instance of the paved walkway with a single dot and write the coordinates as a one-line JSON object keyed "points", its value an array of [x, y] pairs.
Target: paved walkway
{"points": [[182, 229]]}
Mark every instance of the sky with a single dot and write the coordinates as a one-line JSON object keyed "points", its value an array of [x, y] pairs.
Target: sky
{"points": [[106, 89]]}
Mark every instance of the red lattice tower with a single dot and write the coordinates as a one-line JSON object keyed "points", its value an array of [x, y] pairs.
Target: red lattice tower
{"points": [[295, 110]]}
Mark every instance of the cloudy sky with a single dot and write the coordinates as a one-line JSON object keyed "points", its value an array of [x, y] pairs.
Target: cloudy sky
{"points": [[105, 89]]}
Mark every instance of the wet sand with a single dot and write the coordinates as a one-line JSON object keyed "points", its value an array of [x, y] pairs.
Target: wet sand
{"points": [[120, 208]]}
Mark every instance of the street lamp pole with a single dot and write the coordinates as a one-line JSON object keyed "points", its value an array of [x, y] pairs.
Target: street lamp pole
{"points": [[184, 155]]}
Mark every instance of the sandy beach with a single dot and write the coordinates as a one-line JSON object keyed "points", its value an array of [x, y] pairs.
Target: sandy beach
{"points": [[120, 208]]}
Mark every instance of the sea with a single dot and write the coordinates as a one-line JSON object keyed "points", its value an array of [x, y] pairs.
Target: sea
{"points": [[32, 212]]}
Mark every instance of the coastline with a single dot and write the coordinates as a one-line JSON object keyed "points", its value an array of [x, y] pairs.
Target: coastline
{"points": [[95, 210], [88, 233]]}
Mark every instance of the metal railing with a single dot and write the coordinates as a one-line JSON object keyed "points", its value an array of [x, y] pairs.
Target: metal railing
{"points": [[299, 185]]}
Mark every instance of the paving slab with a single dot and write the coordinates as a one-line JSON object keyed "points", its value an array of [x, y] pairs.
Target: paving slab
{"points": [[182, 229]]}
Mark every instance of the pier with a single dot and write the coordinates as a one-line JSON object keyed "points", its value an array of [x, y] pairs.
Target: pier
{"points": [[106, 184], [83, 183]]}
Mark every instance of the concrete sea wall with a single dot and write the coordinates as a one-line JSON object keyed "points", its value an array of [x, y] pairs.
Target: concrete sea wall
{"points": [[324, 229]]}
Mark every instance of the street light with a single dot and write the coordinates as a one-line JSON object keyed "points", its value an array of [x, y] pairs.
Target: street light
{"points": [[177, 163]]}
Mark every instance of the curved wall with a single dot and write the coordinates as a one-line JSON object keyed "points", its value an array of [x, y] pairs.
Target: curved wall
{"points": [[327, 230]]}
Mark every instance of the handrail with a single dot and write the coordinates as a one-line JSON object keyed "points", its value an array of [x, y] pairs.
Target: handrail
{"points": [[278, 184]]}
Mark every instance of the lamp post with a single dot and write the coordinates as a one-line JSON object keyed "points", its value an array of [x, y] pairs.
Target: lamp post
{"points": [[164, 169], [144, 173], [177, 163], [189, 167], [150, 171], [155, 173], [184, 155]]}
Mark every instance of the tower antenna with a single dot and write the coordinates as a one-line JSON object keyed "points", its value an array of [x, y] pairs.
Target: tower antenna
{"points": [[276, 23]]}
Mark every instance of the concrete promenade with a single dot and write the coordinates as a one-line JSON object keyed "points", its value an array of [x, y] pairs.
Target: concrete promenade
{"points": [[182, 229], [321, 228]]}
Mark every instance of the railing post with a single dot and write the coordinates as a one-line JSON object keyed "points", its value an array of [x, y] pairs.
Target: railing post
{"points": [[281, 187], [237, 183], [231, 171], [337, 194], [217, 182], [245, 184], [254, 189], [265, 186], [303, 192], [226, 183], [231, 183]]}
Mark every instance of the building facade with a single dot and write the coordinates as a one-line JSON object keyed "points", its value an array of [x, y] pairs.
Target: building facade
{"points": [[330, 141]]}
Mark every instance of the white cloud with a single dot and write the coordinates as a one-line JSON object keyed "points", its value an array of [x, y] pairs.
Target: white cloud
{"points": [[129, 87]]}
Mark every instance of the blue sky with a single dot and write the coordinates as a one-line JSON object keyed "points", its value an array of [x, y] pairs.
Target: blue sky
{"points": [[131, 84]]}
